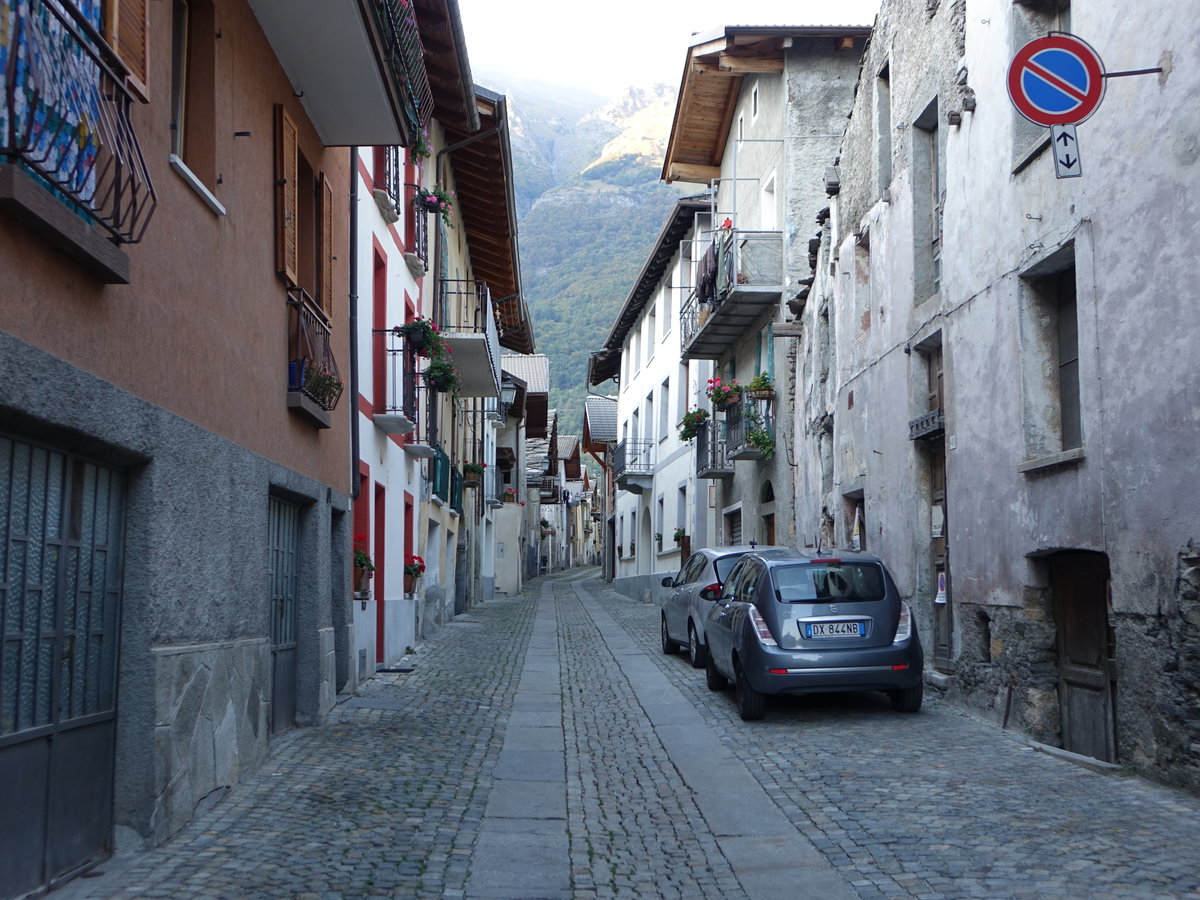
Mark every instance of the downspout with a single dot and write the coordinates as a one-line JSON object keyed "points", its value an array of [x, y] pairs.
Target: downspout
{"points": [[355, 449]]}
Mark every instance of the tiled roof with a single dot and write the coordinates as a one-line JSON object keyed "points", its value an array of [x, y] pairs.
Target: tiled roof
{"points": [[533, 369], [600, 413], [568, 446]]}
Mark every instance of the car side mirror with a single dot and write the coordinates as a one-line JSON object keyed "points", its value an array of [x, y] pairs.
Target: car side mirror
{"points": [[668, 582]]}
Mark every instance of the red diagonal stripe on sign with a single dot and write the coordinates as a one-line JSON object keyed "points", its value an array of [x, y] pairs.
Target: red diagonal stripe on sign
{"points": [[1036, 68]]}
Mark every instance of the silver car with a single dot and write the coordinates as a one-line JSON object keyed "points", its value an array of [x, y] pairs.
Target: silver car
{"points": [[683, 610], [801, 623]]}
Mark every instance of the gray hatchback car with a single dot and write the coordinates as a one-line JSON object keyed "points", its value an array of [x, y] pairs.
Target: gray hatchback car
{"points": [[683, 611], [795, 623]]}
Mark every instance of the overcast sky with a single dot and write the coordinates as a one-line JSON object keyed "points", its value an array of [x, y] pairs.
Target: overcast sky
{"points": [[608, 46]]}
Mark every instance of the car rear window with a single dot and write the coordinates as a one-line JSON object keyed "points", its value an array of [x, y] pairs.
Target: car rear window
{"points": [[826, 582], [724, 565]]}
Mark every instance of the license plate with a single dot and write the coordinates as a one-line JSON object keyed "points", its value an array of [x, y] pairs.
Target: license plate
{"points": [[834, 629]]}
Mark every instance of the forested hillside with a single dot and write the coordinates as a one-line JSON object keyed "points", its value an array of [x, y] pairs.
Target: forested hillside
{"points": [[590, 204]]}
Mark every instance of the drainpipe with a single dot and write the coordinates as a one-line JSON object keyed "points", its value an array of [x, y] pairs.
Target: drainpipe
{"points": [[355, 450]]}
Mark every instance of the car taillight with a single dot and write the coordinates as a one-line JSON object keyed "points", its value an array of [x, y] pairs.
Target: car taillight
{"points": [[760, 628], [715, 587], [904, 626]]}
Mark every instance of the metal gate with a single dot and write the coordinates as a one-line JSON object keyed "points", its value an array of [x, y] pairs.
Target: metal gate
{"points": [[284, 523], [61, 527]]}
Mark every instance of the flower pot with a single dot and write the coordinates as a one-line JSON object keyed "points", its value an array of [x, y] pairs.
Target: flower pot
{"points": [[362, 579], [471, 481], [731, 400], [764, 394], [415, 338], [409, 583]]}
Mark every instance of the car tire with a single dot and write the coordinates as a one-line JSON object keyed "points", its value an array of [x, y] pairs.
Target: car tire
{"points": [[908, 701], [751, 704], [697, 652], [714, 679], [668, 646]]}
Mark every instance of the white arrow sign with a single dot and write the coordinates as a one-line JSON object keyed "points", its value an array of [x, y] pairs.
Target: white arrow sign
{"points": [[1065, 148]]}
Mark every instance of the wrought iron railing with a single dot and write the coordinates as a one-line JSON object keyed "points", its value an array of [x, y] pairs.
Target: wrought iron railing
{"points": [[399, 375], [405, 57], [689, 317], [440, 474], [750, 258], [750, 429], [312, 369], [64, 115], [927, 426], [710, 450], [493, 486], [468, 304], [633, 458]]}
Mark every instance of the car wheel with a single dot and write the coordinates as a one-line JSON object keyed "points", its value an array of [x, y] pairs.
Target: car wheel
{"points": [[714, 679], [908, 701], [668, 646], [751, 704], [696, 650]]}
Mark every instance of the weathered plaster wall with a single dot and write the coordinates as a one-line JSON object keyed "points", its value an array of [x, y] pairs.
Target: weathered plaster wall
{"points": [[1006, 218]]}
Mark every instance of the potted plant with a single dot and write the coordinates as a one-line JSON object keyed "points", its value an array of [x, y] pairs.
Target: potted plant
{"points": [[441, 375], [632, 549], [658, 539], [620, 550], [723, 393], [420, 147], [473, 473], [414, 568], [761, 386], [680, 534], [422, 335], [762, 441], [364, 569], [692, 424], [510, 495], [322, 385], [436, 200], [547, 528]]}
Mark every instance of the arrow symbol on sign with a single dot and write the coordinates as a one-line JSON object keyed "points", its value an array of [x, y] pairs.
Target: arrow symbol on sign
{"points": [[1065, 166]]}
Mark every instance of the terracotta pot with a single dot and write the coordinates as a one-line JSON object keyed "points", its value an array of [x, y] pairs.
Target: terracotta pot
{"points": [[409, 581]]}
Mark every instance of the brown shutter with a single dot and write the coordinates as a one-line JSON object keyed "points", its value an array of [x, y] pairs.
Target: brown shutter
{"points": [[326, 247], [125, 28], [287, 206]]}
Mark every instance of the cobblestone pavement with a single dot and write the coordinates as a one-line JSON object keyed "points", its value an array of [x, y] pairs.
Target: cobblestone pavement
{"points": [[387, 797]]}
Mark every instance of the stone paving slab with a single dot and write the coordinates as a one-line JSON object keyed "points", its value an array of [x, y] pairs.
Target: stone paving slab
{"points": [[642, 783]]}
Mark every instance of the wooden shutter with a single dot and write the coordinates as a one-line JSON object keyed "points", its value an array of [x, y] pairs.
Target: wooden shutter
{"points": [[125, 28], [326, 260], [287, 200]]}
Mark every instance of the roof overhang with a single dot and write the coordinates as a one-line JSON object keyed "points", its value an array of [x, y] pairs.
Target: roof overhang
{"points": [[712, 81]]}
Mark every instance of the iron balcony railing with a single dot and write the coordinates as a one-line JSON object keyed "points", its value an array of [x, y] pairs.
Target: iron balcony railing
{"points": [[493, 486], [398, 396], [470, 332], [927, 426], [440, 474], [737, 280], [750, 430], [711, 461], [750, 258], [64, 115], [633, 458], [312, 369], [405, 57]]}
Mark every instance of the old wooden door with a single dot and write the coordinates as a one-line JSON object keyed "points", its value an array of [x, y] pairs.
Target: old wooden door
{"points": [[1086, 647]]}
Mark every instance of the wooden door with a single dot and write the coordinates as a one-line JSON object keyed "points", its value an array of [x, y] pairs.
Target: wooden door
{"points": [[1086, 650]]}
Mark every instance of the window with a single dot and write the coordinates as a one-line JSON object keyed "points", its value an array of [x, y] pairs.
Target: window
{"points": [[651, 322], [1049, 324], [664, 409], [928, 199], [193, 94], [681, 404], [754, 103], [768, 214], [883, 129], [1031, 19]]}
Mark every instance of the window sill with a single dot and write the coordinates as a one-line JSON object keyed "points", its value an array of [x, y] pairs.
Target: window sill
{"points": [[30, 204], [1054, 460], [196, 184]]}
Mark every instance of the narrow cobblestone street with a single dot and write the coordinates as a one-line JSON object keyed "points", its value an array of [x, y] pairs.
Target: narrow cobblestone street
{"points": [[543, 746]]}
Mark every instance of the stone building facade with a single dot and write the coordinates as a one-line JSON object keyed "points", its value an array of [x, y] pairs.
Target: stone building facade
{"points": [[995, 385]]}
